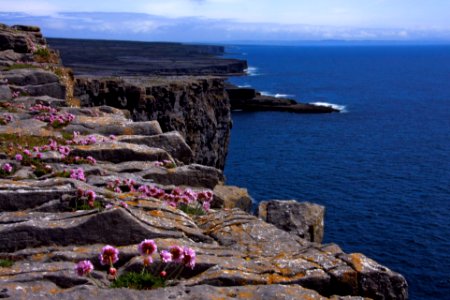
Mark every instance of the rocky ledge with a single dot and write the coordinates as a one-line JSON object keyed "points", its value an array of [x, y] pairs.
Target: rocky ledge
{"points": [[249, 99], [86, 195]]}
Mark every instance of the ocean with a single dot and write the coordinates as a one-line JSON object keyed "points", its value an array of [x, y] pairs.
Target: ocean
{"points": [[381, 166]]}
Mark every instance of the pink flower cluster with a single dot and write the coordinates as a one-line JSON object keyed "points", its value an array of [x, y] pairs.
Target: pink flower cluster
{"points": [[43, 109], [13, 105], [89, 140], [5, 119], [175, 198], [119, 185], [90, 195], [84, 268], [15, 94], [176, 254], [57, 120], [109, 255], [165, 163], [179, 196], [7, 168], [77, 174]]}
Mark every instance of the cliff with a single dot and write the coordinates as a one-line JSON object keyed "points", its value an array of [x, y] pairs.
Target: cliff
{"points": [[106, 58], [76, 179], [198, 108]]}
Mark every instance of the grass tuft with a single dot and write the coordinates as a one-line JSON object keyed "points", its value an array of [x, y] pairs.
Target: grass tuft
{"points": [[138, 281]]}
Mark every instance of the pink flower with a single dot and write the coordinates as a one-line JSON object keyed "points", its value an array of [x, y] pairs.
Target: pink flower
{"points": [[147, 247], [112, 137], [84, 268], [19, 157], [7, 168], [177, 253], [27, 152], [158, 164], [90, 194], [112, 271], [91, 160], [166, 256], [77, 174], [189, 257], [148, 260], [206, 206], [39, 155], [117, 189], [123, 204], [109, 255]]}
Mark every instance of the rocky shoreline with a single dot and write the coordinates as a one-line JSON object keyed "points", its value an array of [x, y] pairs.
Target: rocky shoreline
{"points": [[248, 99], [90, 161]]}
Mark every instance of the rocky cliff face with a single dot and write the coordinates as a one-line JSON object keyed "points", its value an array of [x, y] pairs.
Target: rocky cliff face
{"points": [[74, 179], [198, 108]]}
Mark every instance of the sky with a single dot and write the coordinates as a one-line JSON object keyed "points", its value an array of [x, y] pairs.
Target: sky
{"points": [[233, 20]]}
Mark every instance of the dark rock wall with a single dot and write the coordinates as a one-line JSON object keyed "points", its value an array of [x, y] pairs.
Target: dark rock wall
{"points": [[198, 108]]}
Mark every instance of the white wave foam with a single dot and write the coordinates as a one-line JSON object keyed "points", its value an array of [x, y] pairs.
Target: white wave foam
{"points": [[277, 95], [341, 108], [252, 71], [284, 96]]}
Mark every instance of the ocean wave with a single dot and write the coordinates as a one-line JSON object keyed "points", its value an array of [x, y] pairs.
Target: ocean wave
{"points": [[252, 71], [277, 95], [341, 108]]}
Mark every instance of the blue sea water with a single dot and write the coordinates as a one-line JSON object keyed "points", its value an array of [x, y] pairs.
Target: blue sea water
{"points": [[381, 168]]}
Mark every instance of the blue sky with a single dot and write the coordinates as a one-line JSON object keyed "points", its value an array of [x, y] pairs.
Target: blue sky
{"points": [[228, 20]]}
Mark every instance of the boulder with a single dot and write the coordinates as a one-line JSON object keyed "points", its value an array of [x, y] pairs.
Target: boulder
{"points": [[226, 196], [303, 219]]}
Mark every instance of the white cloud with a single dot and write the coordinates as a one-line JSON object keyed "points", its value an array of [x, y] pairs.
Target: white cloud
{"points": [[34, 8]]}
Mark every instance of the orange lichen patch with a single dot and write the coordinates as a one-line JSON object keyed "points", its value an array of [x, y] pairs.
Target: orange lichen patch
{"points": [[277, 278], [55, 291], [36, 288], [38, 257], [124, 196], [132, 202], [81, 249], [156, 213], [245, 295], [20, 214], [351, 278], [128, 131], [357, 261]]}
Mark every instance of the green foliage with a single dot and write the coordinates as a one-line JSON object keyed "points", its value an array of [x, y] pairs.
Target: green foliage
{"points": [[67, 135], [6, 263], [138, 281], [20, 66], [82, 205], [29, 141], [42, 53], [191, 210]]}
